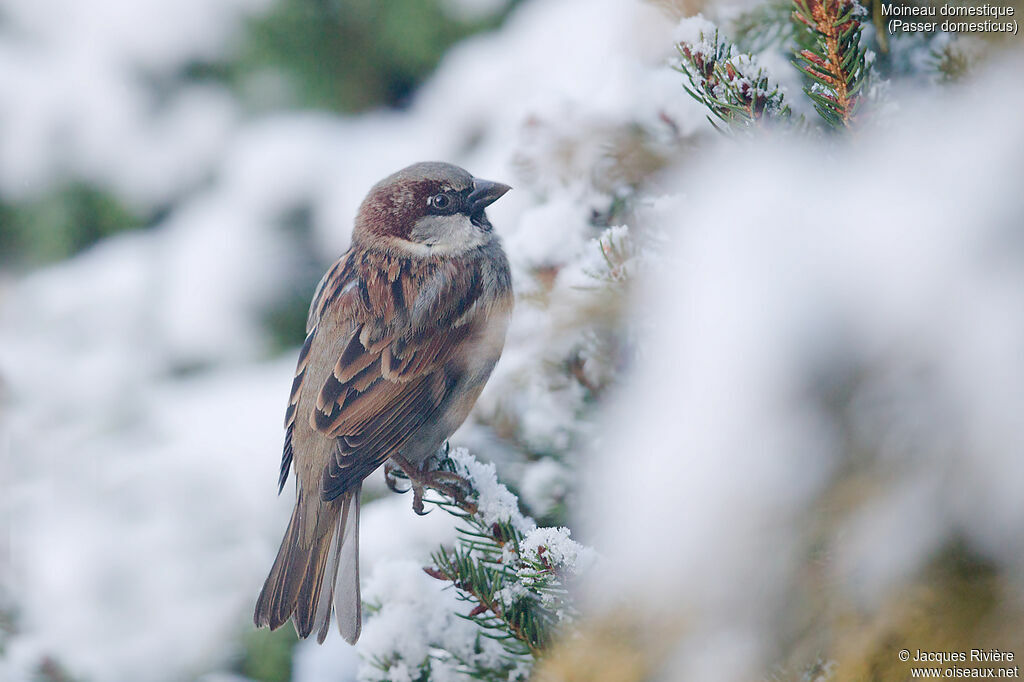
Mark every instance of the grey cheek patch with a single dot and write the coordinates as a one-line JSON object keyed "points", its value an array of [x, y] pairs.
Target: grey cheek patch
{"points": [[450, 230]]}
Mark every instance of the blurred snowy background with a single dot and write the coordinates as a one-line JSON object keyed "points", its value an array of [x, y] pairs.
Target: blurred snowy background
{"points": [[777, 384]]}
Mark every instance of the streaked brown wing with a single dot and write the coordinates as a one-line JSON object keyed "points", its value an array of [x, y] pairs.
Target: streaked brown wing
{"points": [[293, 405], [391, 375], [333, 280]]}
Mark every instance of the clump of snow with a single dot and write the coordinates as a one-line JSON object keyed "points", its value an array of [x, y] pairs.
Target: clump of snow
{"points": [[693, 31], [417, 622], [554, 549], [512, 593], [496, 504], [146, 529], [416, 616], [610, 257], [546, 232], [543, 485]]}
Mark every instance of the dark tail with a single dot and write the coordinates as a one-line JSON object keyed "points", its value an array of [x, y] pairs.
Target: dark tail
{"points": [[302, 580]]}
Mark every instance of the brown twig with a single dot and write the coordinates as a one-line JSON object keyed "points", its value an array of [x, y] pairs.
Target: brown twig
{"points": [[825, 17]]}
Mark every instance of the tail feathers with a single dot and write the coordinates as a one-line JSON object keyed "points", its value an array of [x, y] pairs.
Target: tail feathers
{"points": [[322, 619], [311, 586], [348, 604], [281, 590], [301, 584]]}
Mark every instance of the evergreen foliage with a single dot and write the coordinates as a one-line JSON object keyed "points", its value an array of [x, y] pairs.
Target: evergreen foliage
{"points": [[836, 64], [352, 55], [766, 26], [731, 85], [953, 60], [267, 656], [824, 35], [512, 575], [6, 625], [60, 224]]}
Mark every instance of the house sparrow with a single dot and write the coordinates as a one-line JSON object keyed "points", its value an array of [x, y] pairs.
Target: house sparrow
{"points": [[403, 332]]}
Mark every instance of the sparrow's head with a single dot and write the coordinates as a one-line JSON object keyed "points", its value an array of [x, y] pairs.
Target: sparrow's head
{"points": [[428, 208]]}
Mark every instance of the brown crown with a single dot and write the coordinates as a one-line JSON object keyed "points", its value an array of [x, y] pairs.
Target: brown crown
{"points": [[395, 203]]}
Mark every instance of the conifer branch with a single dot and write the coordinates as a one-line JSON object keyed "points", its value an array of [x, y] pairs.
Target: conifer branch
{"points": [[956, 58], [767, 25], [511, 573], [836, 62], [731, 85]]}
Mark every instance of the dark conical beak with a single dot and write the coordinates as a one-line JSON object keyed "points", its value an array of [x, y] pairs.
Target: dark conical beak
{"points": [[484, 194]]}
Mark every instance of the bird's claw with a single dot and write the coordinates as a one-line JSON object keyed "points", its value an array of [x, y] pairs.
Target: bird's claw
{"points": [[445, 482], [391, 479], [417, 501]]}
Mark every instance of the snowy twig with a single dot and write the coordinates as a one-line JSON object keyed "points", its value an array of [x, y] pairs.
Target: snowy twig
{"points": [[512, 572], [733, 86]]}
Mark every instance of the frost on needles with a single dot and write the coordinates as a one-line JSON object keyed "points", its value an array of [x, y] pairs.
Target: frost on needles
{"points": [[823, 36], [835, 62], [510, 575], [732, 86]]}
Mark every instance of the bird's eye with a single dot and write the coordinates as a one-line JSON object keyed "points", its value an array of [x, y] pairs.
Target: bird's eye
{"points": [[440, 201]]}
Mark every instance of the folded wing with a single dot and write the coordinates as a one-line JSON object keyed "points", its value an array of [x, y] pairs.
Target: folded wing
{"points": [[393, 372]]}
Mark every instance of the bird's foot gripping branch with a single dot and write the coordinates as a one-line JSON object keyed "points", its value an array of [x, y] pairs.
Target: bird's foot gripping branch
{"points": [[512, 577], [436, 474]]}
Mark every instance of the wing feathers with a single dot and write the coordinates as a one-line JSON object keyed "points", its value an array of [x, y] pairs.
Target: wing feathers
{"points": [[353, 360], [407, 320], [293, 404]]}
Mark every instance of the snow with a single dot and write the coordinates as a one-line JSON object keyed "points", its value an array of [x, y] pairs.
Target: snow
{"points": [[160, 518], [418, 621], [494, 502], [75, 105], [553, 547], [694, 30], [543, 485], [400, 628]]}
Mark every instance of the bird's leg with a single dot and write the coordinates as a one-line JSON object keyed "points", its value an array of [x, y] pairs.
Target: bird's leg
{"points": [[446, 482]]}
